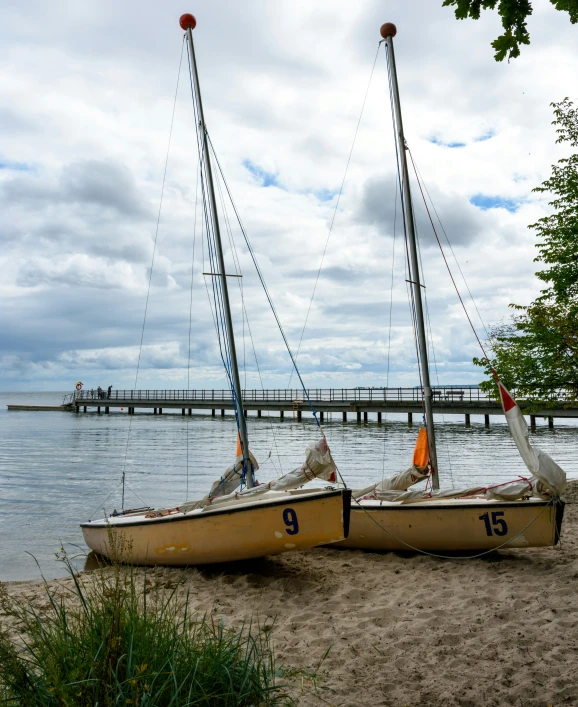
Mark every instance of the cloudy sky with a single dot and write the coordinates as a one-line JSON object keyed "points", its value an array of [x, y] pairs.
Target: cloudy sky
{"points": [[86, 97]]}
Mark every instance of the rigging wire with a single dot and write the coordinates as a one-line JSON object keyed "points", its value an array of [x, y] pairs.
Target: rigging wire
{"points": [[447, 264], [410, 291], [269, 298], [237, 264], [152, 266], [210, 226], [452, 251], [432, 348], [390, 317], [335, 211], [264, 285], [191, 320]]}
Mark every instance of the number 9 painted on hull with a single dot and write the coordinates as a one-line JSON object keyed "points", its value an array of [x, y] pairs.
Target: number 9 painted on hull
{"points": [[290, 520]]}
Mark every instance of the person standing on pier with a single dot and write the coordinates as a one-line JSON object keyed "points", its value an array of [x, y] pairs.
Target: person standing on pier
{"points": [[99, 392], [109, 391]]}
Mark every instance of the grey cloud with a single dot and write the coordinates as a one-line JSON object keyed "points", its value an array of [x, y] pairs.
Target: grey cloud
{"points": [[462, 221], [107, 184]]}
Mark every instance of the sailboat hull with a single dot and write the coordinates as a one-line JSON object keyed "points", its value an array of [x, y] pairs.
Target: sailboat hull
{"points": [[239, 532], [453, 525]]}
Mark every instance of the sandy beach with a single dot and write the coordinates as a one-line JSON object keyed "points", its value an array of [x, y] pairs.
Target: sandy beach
{"points": [[405, 630]]}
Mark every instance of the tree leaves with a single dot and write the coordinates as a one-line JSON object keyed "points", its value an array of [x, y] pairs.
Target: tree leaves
{"points": [[514, 14], [537, 353]]}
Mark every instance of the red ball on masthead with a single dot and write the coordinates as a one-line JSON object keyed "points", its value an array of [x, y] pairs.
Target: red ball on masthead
{"points": [[388, 30], [187, 21]]}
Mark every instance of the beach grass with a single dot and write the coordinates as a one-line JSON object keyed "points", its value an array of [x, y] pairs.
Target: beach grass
{"points": [[121, 638]]}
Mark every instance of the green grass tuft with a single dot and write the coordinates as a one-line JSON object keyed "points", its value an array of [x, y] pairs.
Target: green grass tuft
{"points": [[121, 639]]}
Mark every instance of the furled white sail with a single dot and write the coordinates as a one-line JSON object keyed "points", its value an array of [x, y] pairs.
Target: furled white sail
{"points": [[318, 464], [550, 479], [231, 479]]}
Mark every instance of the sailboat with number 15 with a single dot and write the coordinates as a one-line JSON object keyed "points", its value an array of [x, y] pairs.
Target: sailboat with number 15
{"points": [[389, 515]]}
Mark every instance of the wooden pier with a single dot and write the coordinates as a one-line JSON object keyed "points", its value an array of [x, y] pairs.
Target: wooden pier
{"points": [[348, 403]]}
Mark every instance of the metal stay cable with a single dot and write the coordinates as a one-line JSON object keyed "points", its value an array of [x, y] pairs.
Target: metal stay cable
{"points": [[447, 264], [410, 293], [152, 264], [264, 286], [191, 318], [218, 314], [451, 249], [237, 264], [335, 211], [432, 348], [390, 316]]}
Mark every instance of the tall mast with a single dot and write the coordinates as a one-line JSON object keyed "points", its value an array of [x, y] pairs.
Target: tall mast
{"points": [[388, 32], [188, 23]]}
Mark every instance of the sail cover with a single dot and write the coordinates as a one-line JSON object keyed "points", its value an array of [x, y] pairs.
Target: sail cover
{"points": [[417, 471], [550, 479], [318, 464]]}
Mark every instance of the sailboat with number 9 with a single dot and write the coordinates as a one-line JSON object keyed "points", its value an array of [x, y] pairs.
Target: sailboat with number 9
{"points": [[239, 518]]}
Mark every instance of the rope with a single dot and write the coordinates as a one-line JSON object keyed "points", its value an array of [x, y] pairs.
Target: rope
{"points": [[457, 557]]}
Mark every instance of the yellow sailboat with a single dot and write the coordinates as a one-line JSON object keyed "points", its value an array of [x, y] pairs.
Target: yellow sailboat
{"points": [[228, 524], [526, 512]]}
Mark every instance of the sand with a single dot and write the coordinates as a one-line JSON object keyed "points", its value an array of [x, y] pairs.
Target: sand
{"points": [[407, 630]]}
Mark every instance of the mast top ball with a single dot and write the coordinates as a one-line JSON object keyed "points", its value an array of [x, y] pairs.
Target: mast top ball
{"points": [[187, 21], [388, 30]]}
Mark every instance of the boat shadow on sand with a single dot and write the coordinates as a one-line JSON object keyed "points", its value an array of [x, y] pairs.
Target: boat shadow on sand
{"points": [[258, 572]]}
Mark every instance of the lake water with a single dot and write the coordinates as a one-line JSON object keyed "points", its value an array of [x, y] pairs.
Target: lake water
{"points": [[57, 469]]}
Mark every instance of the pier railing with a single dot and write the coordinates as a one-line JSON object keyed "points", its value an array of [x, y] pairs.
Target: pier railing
{"points": [[415, 394]]}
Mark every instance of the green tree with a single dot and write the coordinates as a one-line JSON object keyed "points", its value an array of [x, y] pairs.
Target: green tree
{"points": [[537, 352], [514, 14]]}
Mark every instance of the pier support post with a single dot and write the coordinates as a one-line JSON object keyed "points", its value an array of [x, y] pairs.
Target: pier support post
{"points": [[222, 412], [182, 411], [97, 409], [344, 417], [213, 412], [160, 411], [282, 414], [258, 413], [85, 408], [365, 416], [410, 418], [321, 417], [190, 411], [106, 410], [379, 418], [468, 419], [154, 411], [533, 422], [359, 416], [299, 416], [551, 423], [487, 420]]}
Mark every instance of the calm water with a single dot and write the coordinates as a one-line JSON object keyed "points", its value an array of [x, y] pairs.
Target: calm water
{"points": [[57, 469]]}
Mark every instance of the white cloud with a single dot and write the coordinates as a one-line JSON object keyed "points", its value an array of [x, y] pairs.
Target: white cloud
{"points": [[87, 92]]}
